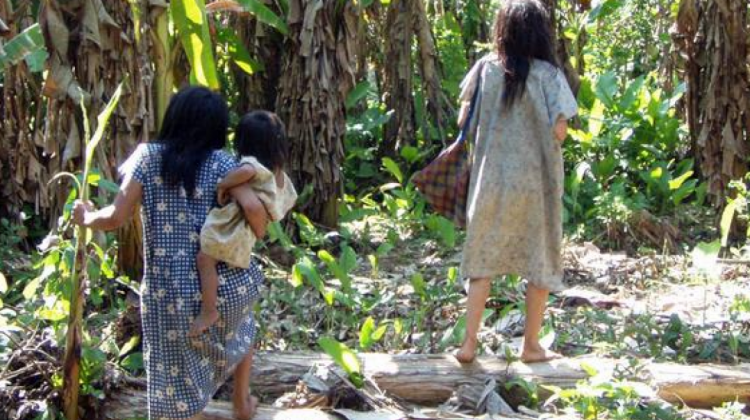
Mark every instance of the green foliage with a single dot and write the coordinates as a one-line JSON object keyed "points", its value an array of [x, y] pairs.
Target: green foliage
{"points": [[606, 396], [28, 46], [191, 22], [345, 358], [626, 155]]}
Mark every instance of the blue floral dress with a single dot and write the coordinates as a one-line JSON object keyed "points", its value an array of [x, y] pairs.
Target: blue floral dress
{"points": [[184, 374]]}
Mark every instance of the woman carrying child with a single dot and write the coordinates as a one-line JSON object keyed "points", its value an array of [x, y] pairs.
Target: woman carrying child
{"points": [[176, 179]]}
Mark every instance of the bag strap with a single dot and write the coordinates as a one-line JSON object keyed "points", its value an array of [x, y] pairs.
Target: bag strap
{"points": [[467, 124]]}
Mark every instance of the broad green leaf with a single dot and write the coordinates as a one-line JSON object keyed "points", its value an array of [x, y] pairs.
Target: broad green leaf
{"points": [[130, 345], [190, 20], [590, 370], [357, 94], [393, 168], [677, 182], [365, 334], [336, 269], [133, 362], [31, 288], [727, 216], [417, 281], [3, 283], [596, 118], [344, 357], [102, 122], [348, 259], [239, 54], [265, 15], [22, 46], [606, 88], [379, 333], [410, 153], [296, 280], [310, 272]]}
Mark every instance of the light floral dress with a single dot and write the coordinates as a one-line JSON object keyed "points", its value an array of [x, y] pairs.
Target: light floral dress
{"points": [[514, 207], [184, 374]]}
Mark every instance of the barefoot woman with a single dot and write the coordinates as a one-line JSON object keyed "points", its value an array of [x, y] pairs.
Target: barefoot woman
{"points": [[175, 178], [514, 209]]}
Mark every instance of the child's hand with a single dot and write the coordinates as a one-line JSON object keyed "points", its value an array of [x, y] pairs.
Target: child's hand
{"points": [[223, 196]]}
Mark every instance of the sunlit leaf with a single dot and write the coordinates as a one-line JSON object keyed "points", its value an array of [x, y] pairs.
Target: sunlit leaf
{"points": [[727, 216], [190, 20], [239, 54], [3, 283], [130, 345], [393, 168], [344, 357], [365, 333], [265, 15]]}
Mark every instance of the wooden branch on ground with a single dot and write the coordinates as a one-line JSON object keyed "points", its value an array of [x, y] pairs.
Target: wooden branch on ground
{"points": [[432, 379], [132, 405]]}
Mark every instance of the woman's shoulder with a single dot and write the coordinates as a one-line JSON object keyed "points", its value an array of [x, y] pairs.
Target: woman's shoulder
{"points": [[544, 70]]}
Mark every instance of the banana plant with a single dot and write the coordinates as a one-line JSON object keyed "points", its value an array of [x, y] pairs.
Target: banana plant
{"points": [[29, 46], [72, 361]]}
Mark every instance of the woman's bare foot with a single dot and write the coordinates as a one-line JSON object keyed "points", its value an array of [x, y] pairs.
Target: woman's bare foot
{"points": [[245, 407], [204, 320], [538, 355], [467, 353]]}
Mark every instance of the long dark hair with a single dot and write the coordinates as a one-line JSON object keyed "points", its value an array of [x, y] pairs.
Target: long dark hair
{"points": [[195, 124], [522, 33], [261, 134]]}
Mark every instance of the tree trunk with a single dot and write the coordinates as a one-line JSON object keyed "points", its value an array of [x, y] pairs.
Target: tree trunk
{"points": [[21, 126], [432, 379], [317, 75], [572, 74], [713, 35], [398, 84], [259, 90], [438, 105]]}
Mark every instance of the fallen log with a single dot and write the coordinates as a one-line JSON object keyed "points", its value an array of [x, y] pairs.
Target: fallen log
{"points": [[131, 404], [432, 379]]}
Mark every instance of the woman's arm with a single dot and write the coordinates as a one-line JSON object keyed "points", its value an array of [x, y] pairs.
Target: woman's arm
{"points": [[561, 129], [114, 215]]}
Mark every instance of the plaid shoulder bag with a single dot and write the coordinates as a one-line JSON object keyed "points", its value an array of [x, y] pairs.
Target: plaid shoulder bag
{"points": [[444, 183]]}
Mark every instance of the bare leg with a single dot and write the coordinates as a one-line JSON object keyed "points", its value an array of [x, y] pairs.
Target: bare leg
{"points": [[536, 304], [479, 291], [245, 405], [209, 290]]}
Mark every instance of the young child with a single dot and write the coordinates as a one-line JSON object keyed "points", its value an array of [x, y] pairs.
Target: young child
{"points": [[514, 206], [260, 141]]}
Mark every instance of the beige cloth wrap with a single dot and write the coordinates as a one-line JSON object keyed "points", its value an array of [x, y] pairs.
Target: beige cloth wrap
{"points": [[226, 235]]}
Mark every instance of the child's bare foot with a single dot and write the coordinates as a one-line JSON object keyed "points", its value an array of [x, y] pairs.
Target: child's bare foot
{"points": [[245, 407], [204, 320], [467, 352], [538, 355]]}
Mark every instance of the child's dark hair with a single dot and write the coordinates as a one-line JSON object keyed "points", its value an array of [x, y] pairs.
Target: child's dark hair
{"points": [[261, 134], [522, 33]]}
